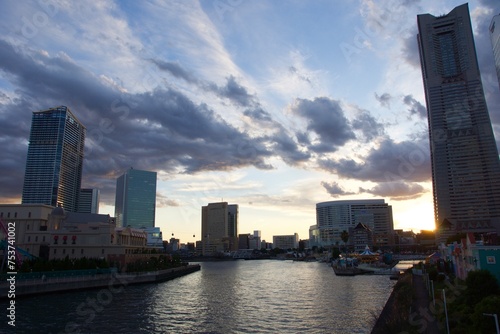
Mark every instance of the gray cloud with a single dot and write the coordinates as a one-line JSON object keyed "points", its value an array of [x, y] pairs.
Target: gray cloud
{"points": [[397, 190], [415, 107], [384, 99], [157, 130], [405, 161], [334, 189], [326, 118], [370, 128]]}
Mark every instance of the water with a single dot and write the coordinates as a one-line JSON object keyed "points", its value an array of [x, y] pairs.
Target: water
{"points": [[264, 296]]}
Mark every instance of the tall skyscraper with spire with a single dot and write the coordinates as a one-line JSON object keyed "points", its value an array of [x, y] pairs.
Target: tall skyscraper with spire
{"points": [[465, 164], [55, 158]]}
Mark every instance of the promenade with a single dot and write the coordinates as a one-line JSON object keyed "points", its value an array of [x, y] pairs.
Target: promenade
{"points": [[58, 284], [391, 319]]}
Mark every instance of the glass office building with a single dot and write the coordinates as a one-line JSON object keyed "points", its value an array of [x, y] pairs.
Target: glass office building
{"points": [[464, 155], [55, 157], [135, 201]]}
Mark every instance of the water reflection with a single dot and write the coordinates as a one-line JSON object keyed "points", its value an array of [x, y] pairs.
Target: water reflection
{"points": [[224, 297]]}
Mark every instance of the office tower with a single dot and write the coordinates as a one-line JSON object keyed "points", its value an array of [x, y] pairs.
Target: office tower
{"points": [[55, 156], [465, 166], [88, 201], [495, 42], [219, 227], [135, 201], [334, 217]]}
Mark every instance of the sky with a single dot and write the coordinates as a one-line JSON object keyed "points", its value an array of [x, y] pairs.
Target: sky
{"points": [[271, 105]]}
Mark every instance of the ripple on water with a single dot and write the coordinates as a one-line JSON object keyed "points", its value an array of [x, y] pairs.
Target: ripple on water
{"points": [[223, 297]]}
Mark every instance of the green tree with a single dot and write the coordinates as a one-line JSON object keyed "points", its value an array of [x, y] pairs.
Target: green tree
{"points": [[480, 284], [481, 322], [345, 237]]}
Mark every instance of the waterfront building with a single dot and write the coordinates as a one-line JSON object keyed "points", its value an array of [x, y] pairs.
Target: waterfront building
{"points": [[464, 155], [244, 241], [219, 227], [254, 240], [334, 217], [361, 238], [495, 42], [286, 241], [55, 158], [88, 201], [53, 233], [472, 253], [135, 201], [154, 237]]}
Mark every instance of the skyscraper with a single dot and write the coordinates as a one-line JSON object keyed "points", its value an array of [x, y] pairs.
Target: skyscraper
{"points": [[465, 165], [55, 157], [88, 202], [495, 42], [135, 201], [219, 228]]}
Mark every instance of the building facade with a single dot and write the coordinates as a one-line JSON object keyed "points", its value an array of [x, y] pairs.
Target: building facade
{"points": [[495, 42], [219, 225], [88, 201], [55, 158], [135, 201], [286, 241], [334, 217], [49, 233], [464, 155]]}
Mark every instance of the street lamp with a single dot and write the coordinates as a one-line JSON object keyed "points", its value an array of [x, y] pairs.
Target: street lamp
{"points": [[496, 320]]}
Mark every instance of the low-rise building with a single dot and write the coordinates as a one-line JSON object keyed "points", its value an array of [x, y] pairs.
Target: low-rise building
{"points": [[286, 241]]}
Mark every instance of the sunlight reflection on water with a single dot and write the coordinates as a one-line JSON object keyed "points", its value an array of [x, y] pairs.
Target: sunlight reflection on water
{"points": [[224, 297]]}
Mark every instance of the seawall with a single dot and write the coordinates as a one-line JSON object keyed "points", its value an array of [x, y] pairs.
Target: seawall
{"points": [[23, 288]]}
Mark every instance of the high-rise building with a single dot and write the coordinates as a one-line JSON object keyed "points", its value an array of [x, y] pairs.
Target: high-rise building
{"points": [[88, 202], [495, 42], [334, 217], [219, 227], [135, 201], [55, 158], [464, 155]]}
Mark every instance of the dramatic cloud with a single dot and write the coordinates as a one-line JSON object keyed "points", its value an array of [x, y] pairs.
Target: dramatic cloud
{"points": [[404, 161], [397, 190], [415, 107], [368, 125], [326, 118], [334, 189]]}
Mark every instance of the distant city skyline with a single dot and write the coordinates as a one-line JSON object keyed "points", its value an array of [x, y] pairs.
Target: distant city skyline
{"points": [[274, 105]]}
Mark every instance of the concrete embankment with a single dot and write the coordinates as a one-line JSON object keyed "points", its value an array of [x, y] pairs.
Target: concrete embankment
{"points": [[23, 288]]}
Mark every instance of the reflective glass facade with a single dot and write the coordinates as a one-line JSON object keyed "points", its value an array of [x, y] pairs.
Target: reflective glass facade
{"points": [[55, 158], [495, 42], [465, 165], [135, 201]]}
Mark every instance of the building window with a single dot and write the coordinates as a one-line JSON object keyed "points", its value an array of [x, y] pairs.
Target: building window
{"points": [[8, 214], [102, 251], [15, 214], [73, 251], [29, 238], [36, 238], [43, 239], [29, 214], [28, 227], [64, 251], [1, 214], [55, 250], [81, 251]]}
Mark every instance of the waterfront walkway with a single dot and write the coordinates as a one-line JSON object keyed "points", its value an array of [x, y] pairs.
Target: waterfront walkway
{"points": [[420, 316], [421, 307]]}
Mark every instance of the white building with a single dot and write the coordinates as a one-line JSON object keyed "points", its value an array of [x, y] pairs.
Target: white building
{"points": [[286, 241]]}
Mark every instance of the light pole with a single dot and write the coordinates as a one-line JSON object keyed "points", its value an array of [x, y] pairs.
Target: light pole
{"points": [[496, 320]]}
